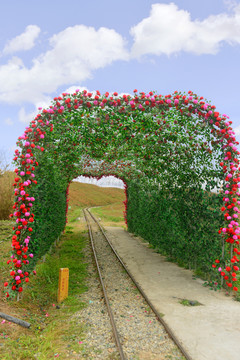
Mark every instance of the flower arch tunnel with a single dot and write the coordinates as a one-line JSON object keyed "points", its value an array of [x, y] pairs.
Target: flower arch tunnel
{"points": [[178, 144]]}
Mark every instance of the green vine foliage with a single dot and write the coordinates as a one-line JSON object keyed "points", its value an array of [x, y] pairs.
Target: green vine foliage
{"points": [[49, 210], [181, 224], [176, 154]]}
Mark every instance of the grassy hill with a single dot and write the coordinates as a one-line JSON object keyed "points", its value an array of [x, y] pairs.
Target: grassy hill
{"points": [[108, 202], [6, 193], [86, 195]]}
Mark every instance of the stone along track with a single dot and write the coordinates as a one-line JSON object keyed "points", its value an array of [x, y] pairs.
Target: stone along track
{"points": [[139, 330]]}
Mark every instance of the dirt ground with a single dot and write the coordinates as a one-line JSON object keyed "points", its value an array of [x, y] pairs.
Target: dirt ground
{"points": [[210, 331]]}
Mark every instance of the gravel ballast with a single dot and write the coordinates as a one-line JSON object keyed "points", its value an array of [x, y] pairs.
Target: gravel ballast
{"points": [[141, 334]]}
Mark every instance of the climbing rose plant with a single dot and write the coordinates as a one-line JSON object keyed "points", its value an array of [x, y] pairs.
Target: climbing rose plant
{"points": [[177, 141]]}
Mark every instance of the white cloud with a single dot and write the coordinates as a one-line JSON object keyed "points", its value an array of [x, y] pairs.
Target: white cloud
{"points": [[24, 41], [75, 53], [8, 121], [170, 30], [105, 181], [230, 4], [237, 130], [26, 117], [44, 103], [73, 88]]}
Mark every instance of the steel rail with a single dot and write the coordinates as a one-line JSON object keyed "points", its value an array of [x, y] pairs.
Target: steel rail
{"points": [[158, 315], [115, 332]]}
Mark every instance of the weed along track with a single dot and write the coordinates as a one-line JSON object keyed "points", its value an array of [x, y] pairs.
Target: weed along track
{"points": [[138, 329]]}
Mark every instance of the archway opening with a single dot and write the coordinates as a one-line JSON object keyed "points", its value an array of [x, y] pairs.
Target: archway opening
{"points": [[105, 198]]}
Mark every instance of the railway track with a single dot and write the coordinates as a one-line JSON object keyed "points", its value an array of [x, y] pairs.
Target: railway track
{"points": [[138, 329]]}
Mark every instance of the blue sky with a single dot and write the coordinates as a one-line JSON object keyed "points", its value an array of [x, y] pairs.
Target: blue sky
{"points": [[47, 47]]}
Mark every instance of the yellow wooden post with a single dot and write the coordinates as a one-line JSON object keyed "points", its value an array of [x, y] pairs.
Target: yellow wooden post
{"points": [[63, 284]]}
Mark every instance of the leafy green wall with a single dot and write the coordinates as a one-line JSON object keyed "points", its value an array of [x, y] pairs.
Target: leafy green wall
{"points": [[183, 225]]}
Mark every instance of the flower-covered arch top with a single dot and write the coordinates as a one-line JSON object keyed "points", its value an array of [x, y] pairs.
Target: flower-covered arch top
{"points": [[177, 141]]}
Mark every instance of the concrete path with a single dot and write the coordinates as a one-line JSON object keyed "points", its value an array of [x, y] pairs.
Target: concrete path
{"points": [[208, 332]]}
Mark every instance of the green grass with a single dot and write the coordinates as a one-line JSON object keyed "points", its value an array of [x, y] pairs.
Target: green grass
{"points": [[46, 344], [68, 253], [47, 333], [86, 195], [5, 249], [5, 230], [110, 215], [106, 203]]}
